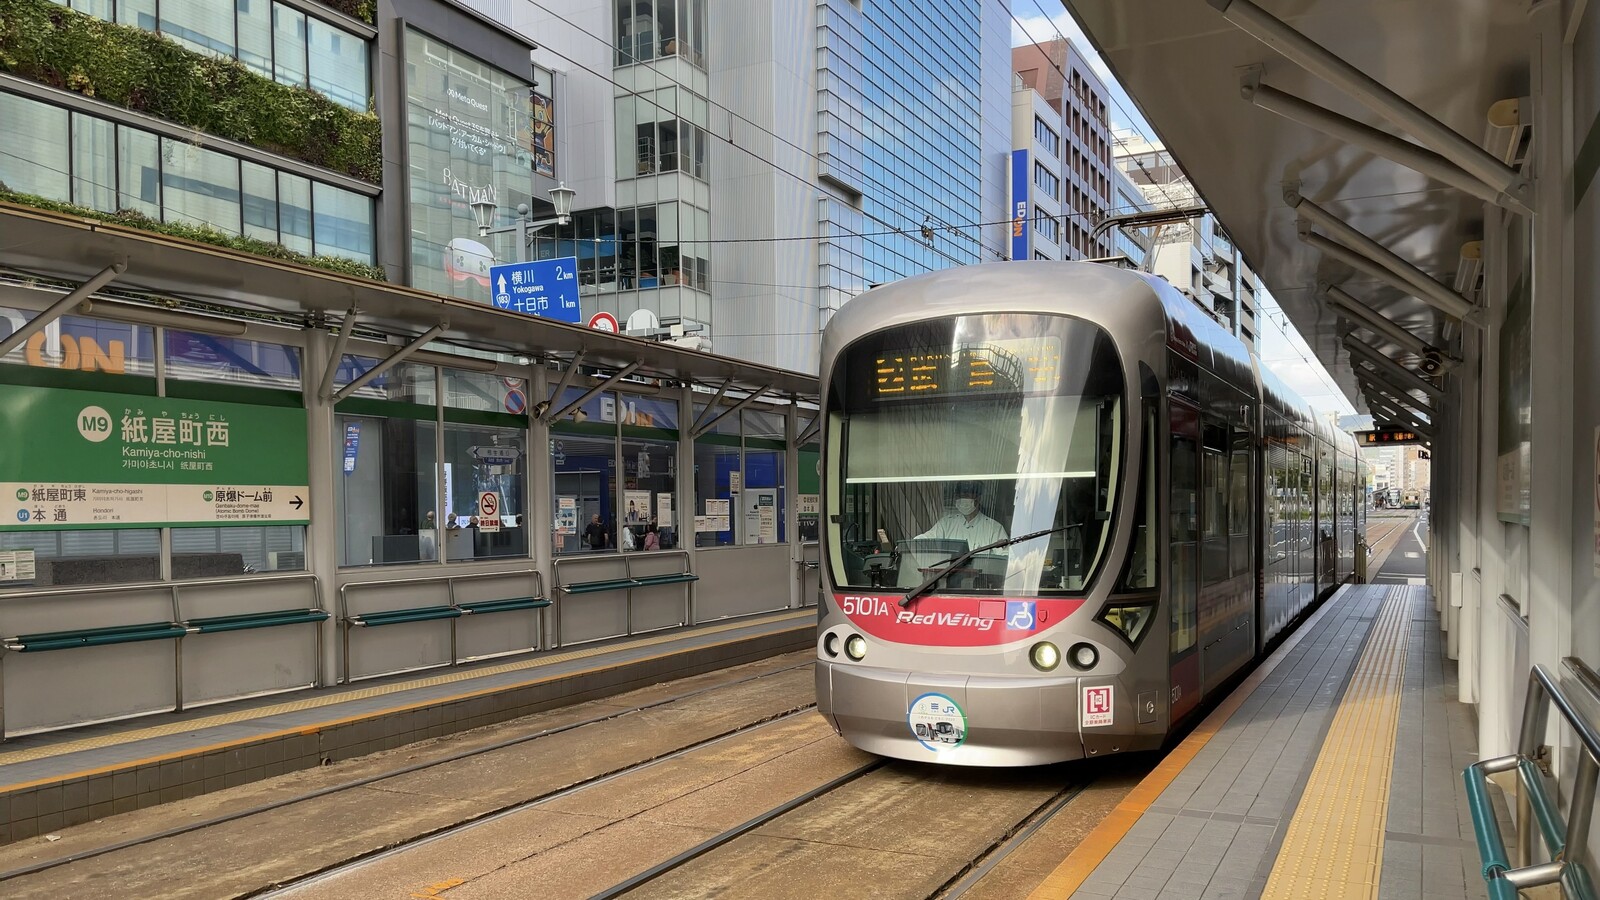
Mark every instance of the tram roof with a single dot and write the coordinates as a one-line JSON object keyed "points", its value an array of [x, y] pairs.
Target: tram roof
{"points": [[1181, 61], [71, 248]]}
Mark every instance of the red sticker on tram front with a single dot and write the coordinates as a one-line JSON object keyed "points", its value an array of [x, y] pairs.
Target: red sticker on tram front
{"points": [[953, 621]]}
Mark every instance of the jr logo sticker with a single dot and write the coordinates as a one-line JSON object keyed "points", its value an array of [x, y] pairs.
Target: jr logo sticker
{"points": [[937, 722], [1094, 707]]}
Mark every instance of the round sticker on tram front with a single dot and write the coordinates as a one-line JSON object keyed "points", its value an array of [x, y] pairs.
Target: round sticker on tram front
{"points": [[937, 722]]}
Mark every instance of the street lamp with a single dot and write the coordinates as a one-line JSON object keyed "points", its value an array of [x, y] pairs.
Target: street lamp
{"points": [[561, 197]]}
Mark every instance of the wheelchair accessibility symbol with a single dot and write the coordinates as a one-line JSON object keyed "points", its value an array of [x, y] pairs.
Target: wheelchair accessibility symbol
{"points": [[1019, 615]]}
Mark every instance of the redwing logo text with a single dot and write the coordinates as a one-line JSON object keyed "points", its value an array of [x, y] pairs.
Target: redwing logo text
{"points": [[878, 606]]}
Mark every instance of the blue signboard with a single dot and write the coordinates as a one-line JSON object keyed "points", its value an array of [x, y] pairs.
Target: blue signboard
{"points": [[547, 287], [1019, 204]]}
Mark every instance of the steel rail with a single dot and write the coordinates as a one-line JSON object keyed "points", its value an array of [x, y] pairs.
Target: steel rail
{"points": [[191, 827]]}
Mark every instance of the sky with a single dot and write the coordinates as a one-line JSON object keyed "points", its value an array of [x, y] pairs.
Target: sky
{"points": [[1278, 342]]}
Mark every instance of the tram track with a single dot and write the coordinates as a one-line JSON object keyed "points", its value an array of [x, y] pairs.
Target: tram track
{"points": [[10, 877], [290, 888]]}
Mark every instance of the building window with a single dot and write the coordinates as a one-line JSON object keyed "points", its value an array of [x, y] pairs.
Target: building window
{"points": [[271, 39], [650, 29], [1046, 181], [1047, 226], [1046, 137]]}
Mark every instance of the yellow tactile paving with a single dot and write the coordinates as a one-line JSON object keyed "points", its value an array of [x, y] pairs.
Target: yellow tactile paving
{"points": [[244, 715], [1334, 846]]}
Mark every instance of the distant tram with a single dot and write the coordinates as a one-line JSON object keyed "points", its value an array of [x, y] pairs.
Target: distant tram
{"points": [[1411, 500], [1061, 507]]}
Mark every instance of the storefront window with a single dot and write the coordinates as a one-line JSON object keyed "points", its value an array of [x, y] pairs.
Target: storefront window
{"points": [[79, 344], [481, 462], [582, 489], [192, 356], [387, 495]]}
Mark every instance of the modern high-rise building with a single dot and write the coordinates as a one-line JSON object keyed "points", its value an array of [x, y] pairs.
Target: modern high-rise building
{"points": [[1061, 145], [744, 169], [1196, 255]]}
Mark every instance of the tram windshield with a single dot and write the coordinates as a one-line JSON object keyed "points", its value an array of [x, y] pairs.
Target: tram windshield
{"points": [[949, 435]]}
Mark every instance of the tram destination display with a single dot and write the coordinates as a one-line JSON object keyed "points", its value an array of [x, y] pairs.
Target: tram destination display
{"points": [[1002, 366]]}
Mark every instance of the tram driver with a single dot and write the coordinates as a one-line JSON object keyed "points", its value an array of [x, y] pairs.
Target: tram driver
{"points": [[968, 523]]}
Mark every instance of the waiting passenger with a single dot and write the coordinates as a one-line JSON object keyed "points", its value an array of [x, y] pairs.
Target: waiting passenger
{"points": [[967, 523]]}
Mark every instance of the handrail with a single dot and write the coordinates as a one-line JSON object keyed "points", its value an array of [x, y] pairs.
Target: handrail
{"points": [[627, 573], [1536, 809], [450, 600], [173, 589], [159, 586]]}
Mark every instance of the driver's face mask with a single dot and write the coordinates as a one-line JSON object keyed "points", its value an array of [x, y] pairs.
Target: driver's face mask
{"points": [[966, 507]]}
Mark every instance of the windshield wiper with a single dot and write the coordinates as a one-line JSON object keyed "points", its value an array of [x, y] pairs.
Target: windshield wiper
{"points": [[957, 562]]}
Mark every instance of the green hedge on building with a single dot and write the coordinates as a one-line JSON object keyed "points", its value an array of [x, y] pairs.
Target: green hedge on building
{"points": [[143, 71]]}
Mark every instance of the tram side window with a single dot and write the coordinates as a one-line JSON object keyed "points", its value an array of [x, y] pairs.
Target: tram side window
{"points": [[1214, 506], [1239, 504], [1139, 574], [1185, 514]]}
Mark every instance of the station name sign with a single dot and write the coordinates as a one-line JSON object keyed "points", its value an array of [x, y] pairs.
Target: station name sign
{"points": [[1388, 436]]}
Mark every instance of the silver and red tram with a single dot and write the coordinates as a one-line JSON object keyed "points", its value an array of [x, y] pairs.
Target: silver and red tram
{"points": [[1062, 505]]}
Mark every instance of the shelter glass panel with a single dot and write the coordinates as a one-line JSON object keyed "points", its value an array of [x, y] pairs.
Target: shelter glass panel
{"points": [[485, 481], [583, 490], [387, 494]]}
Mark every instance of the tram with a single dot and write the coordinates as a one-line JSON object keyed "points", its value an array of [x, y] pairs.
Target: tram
{"points": [[1062, 506]]}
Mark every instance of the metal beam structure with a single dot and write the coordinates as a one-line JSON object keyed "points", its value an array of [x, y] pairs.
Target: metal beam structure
{"points": [[1396, 375], [390, 361], [1395, 399], [566, 380], [346, 326], [1422, 286], [60, 307], [617, 376], [711, 407], [1362, 263], [1380, 402], [702, 429], [1364, 316], [1148, 217], [810, 432], [1364, 89], [1358, 134]]}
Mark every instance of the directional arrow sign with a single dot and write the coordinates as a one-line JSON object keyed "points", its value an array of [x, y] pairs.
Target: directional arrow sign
{"points": [[297, 502]]}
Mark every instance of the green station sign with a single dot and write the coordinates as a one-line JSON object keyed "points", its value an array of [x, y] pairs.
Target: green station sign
{"points": [[85, 459]]}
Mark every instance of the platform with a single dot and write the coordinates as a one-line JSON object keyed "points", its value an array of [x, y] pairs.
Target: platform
{"points": [[1333, 771], [59, 779]]}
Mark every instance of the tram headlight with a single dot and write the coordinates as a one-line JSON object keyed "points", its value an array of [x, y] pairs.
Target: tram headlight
{"points": [[855, 647], [830, 644], [1045, 656], [1083, 656]]}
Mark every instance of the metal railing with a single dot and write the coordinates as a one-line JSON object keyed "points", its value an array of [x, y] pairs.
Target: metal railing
{"points": [[627, 574], [173, 589], [1536, 808], [450, 595]]}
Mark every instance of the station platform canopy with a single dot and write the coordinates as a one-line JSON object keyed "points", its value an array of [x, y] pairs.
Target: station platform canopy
{"points": [[1370, 116], [165, 275]]}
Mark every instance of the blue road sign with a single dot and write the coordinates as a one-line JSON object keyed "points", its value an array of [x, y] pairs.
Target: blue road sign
{"points": [[548, 288]]}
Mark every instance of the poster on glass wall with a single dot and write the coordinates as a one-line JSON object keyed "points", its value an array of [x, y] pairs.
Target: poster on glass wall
{"points": [[471, 135], [543, 135]]}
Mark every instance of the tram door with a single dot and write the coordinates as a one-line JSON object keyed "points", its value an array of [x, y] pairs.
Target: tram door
{"points": [[1183, 558]]}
